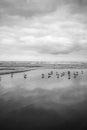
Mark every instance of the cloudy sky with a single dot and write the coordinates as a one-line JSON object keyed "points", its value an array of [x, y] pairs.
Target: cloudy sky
{"points": [[47, 30]]}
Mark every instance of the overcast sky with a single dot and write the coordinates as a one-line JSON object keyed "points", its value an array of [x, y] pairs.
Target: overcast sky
{"points": [[47, 30]]}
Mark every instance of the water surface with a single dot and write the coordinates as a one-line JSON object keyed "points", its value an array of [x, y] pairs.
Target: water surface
{"points": [[37, 102]]}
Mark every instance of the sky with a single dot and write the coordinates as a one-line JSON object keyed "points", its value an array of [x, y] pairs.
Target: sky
{"points": [[43, 30]]}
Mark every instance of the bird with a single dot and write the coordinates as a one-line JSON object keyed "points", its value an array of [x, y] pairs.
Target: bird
{"points": [[49, 75], [25, 76], [62, 74], [42, 76], [69, 75]]}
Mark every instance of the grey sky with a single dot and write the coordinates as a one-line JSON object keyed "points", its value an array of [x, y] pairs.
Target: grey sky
{"points": [[43, 29], [32, 7]]}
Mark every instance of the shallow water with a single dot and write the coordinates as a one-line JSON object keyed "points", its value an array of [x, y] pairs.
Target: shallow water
{"points": [[53, 102]]}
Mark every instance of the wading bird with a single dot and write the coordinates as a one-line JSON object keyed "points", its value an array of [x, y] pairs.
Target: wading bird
{"points": [[75, 74], [57, 74], [49, 75], [25, 76], [62, 74], [43, 76], [69, 75]]}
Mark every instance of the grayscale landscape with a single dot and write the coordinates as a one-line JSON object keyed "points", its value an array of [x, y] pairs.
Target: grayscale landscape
{"points": [[43, 64]]}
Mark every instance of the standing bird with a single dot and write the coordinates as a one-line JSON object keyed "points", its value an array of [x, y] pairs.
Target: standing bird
{"points": [[75, 74], [49, 75], [42, 76], [57, 74], [25, 76], [69, 75], [62, 74], [51, 72]]}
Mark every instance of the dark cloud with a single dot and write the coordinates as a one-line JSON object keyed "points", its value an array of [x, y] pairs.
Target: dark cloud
{"points": [[33, 7], [52, 50], [46, 50], [27, 7]]}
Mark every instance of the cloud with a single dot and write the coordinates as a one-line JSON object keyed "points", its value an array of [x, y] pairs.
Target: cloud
{"points": [[27, 7], [58, 32], [38, 7], [50, 34]]}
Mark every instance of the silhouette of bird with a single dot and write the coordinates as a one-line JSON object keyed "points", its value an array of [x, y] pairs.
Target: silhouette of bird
{"points": [[25, 76], [62, 74], [42, 76], [49, 75], [69, 75]]}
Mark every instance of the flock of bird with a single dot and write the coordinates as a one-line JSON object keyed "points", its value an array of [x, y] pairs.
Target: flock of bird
{"points": [[51, 73], [62, 74]]}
